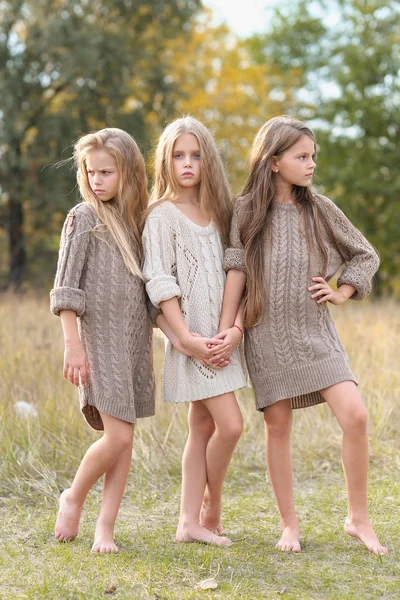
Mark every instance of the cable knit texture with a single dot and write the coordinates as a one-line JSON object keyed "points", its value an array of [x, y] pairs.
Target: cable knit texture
{"points": [[295, 351], [183, 259], [114, 324]]}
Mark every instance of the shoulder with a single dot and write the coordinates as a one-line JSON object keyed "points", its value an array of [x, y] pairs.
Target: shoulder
{"points": [[327, 205], [84, 211], [161, 210]]}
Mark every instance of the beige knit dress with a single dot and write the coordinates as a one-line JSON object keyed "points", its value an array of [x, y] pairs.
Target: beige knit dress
{"points": [[185, 260], [113, 321], [295, 351]]}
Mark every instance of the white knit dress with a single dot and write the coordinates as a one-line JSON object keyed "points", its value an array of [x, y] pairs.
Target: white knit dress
{"points": [[185, 260]]}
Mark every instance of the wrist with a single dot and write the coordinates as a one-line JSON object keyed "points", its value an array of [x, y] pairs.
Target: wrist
{"points": [[239, 328], [184, 337], [71, 342]]}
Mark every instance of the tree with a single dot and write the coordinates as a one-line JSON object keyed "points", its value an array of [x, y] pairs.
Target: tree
{"points": [[65, 68], [349, 53]]}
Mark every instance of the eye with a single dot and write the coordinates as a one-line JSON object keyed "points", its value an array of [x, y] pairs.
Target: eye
{"points": [[106, 172], [89, 172], [178, 155], [196, 155]]}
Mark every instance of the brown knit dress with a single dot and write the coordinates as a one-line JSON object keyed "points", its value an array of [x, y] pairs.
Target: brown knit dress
{"points": [[295, 351], [113, 321]]}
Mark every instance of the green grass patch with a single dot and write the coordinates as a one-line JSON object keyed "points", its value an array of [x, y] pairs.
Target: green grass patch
{"points": [[40, 453]]}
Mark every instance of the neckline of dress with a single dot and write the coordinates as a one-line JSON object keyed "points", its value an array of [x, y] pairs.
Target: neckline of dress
{"points": [[204, 229]]}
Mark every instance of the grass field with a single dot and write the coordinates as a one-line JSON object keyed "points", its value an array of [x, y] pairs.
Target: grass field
{"points": [[39, 454]]}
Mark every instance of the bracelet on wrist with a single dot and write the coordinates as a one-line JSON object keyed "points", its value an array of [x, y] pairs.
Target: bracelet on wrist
{"points": [[237, 327]]}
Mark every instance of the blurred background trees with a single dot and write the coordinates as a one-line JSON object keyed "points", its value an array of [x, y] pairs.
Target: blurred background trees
{"points": [[69, 67]]}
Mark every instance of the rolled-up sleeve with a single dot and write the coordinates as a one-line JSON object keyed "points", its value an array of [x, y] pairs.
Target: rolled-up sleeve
{"points": [[362, 261], [159, 267], [234, 255], [66, 293]]}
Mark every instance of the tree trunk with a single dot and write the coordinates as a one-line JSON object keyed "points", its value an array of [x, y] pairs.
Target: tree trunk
{"points": [[15, 230]]}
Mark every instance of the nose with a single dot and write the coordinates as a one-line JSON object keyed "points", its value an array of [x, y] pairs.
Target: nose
{"points": [[188, 162], [97, 178]]}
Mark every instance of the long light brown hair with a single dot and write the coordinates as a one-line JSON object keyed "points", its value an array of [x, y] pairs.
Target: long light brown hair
{"points": [[121, 216], [215, 196], [275, 137]]}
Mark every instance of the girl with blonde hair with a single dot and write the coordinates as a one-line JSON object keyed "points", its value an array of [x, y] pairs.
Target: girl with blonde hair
{"points": [[99, 295], [286, 243], [186, 230]]}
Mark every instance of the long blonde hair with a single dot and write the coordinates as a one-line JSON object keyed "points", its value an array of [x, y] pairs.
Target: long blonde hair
{"points": [[121, 216], [215, 196], [275, 137]]}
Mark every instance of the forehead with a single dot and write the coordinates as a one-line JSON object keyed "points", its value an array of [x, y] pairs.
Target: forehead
{"points": [[304, 144], [99, 160], [188, 141]]}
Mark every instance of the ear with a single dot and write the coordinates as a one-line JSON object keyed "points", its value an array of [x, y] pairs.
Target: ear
{"points": [[275, 167]]}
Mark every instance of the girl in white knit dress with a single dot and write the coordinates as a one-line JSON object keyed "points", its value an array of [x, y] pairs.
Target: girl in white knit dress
{"points": [[99, 295], [183, 241], [286, 244]]}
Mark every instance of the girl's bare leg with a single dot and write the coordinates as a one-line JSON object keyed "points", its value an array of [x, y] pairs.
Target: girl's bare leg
{"points": [[218, 456], [194, 467], [347, 405], [278, 426], [114, 484], [98, 459]]}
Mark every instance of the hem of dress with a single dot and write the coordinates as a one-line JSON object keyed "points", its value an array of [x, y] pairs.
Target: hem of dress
{"points": [[205, 396], [301, 384], [91, 408]]}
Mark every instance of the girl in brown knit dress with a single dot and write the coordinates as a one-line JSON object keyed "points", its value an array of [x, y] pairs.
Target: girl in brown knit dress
{"points": [[287, 242], [99, 295]]}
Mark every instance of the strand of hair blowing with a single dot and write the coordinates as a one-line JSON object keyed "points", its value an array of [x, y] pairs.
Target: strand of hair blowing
{"points": [[258, 193]]}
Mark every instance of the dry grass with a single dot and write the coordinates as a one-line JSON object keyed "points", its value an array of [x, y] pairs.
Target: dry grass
{"points": [[39, 455]]}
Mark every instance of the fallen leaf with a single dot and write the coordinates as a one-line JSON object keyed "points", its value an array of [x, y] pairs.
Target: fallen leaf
{"points": [[110, 590], [208, 584]]}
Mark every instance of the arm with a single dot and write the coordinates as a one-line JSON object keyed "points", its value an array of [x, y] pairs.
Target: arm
{"points": [[361, 260], [196, 346], [67, 300], [162, 323], [162, 285], [231, 321], [75, 362]]}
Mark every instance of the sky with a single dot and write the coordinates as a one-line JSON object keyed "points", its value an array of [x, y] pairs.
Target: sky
{"points": [[244, 17]]}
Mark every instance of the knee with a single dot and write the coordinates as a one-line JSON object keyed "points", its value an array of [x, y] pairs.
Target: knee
{"points": [[232, 431], [203, 425], [278, 426], [358, 421], [121, 442]]}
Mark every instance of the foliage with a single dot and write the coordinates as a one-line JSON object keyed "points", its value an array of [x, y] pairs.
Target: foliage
{"points": [[66, 68], [348, 53]]}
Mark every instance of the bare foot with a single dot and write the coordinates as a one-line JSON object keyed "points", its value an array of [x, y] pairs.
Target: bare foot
{"points": [[69, 513], [289, 541], [197, 533], [210, 516], [104, 541], [365, 533]]}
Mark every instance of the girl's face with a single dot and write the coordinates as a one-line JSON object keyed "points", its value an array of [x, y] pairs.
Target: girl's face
{"points": [[102, 174], [186, 160], [296, 165]]}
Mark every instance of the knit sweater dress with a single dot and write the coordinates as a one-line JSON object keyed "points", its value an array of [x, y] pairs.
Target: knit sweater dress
{"points": [[295, 352], [185, 260], [113, 321]]}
